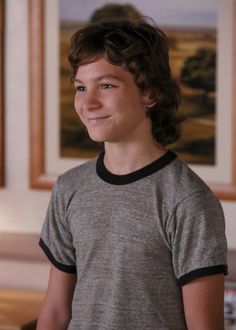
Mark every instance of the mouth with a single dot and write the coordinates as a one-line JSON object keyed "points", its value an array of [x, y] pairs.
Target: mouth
{"points": [[97, 120]]}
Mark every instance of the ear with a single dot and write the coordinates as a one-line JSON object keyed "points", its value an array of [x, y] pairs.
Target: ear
{"points": [[148, 99]]}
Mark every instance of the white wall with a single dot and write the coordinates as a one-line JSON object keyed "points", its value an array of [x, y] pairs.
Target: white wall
{"points": [[22, 209]]}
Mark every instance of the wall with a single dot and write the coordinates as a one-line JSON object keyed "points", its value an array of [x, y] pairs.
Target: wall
{"points": [[22, 209]]}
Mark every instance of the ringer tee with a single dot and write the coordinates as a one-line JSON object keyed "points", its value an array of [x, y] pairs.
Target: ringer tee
{"points": [[133, 241]]}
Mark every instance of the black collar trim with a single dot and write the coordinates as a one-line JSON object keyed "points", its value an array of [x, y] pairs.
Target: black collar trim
{"points": [[149, 169]]}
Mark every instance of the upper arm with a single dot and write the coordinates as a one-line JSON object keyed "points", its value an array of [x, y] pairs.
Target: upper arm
{"points": [[60, 287], [57, 304], [203, 300]]}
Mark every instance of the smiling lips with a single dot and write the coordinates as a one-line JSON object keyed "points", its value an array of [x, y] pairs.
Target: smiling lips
{"points": [[97, 120]]}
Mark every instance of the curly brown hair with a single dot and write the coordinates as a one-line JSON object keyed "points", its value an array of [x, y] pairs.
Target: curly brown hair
{"points": [[142, 49]]}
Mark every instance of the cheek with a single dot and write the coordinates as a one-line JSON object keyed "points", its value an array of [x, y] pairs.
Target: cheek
{"points": [[76, 102], [78, 109], [77, 105]]}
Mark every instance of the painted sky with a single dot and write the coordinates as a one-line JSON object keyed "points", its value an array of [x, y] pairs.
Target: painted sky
{"points": [[192, 13]]}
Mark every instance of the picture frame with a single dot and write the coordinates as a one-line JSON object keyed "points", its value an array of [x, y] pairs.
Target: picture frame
{"points": [[40, 177], [1, 93]]}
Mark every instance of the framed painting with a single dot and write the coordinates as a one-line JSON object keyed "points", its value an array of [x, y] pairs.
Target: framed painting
{"points": [[1, 95], [192, 49], [51, 152]]}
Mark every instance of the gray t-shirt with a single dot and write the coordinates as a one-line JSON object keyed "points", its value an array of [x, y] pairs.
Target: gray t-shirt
{"points": [[133, 240]]}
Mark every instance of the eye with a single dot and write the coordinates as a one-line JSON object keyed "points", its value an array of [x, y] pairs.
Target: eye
{"points": [[107, 86], [80, 88]]}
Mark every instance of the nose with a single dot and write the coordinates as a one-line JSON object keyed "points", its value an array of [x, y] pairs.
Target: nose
{"points": [[91, 100]]}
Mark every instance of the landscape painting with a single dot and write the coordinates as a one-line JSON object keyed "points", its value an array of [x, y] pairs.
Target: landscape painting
{"points": [[191, 27]]}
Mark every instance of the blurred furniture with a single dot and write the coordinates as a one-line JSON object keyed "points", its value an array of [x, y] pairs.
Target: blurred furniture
{"points": [[19, 310], [20, 247], [23, 265], [232, 265]]}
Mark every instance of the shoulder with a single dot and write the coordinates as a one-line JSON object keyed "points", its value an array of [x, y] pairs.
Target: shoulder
{"points": [[188, 199], [195, 226], [75, 175], [73, 180], [180, 182], [178, 187]]}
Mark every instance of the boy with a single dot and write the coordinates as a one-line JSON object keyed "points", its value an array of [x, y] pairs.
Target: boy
{"points": [[135, 238]]}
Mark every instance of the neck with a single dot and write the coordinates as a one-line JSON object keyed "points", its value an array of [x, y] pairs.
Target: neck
{"points": [[123, 159]]}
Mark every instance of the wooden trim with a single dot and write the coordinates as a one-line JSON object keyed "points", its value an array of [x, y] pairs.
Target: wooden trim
{"points": [[228, 192], [1, 94], [39, 178], [234, 101]]}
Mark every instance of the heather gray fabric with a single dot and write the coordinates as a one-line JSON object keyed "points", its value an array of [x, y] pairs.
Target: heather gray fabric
{"points": [[133, 244]]}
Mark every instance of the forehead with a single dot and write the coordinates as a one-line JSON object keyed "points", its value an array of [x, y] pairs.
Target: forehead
{"points": [[101, 67]]}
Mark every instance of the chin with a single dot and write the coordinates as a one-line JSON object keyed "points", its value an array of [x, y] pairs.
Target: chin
{"points": [[100, 137], [97, 138]]}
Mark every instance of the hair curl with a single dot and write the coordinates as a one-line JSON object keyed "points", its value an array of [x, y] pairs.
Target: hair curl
{"points": [[142, 49]]}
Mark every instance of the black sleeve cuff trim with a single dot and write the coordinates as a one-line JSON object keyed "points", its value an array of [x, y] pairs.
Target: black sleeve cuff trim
{"points": [[60, 266], [211, 270]]}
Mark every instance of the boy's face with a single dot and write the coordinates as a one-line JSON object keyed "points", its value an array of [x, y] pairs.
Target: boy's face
{"points": [[109, 103]]}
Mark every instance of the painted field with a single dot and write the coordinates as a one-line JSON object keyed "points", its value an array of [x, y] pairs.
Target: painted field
{"points": [[197, 144]]}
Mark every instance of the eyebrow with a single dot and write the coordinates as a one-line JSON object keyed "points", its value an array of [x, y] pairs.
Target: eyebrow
{"points": [[101, 77]]}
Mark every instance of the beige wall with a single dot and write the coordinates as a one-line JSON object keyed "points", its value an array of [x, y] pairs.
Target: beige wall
{"points": [[22, 209]]}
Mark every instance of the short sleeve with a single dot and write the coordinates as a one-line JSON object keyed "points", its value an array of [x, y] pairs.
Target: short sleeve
{"points": [[56, 239], [197, 237]]}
